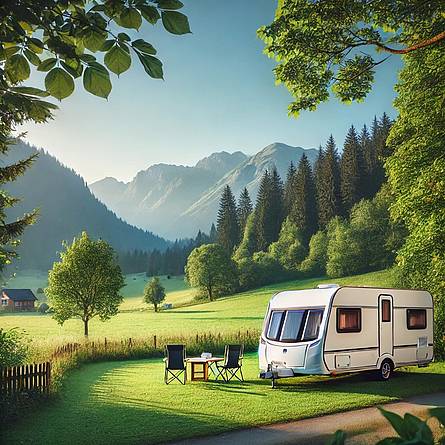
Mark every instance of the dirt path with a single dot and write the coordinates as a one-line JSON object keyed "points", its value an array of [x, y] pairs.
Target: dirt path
{"points": [[363, 426]]}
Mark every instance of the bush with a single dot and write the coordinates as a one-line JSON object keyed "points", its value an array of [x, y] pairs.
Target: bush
{"points": [[40, 290], [269, 269], [248, 273], [14, 348], [344, 253], [315, 263], [289, 249], [43, 308]]}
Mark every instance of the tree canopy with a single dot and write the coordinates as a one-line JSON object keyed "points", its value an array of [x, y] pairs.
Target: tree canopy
{"points": [[335, 45], [86, 282], [154, 292]]}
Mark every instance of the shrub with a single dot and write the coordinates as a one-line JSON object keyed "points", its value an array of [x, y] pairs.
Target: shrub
{"points": [[43, 308], [14, 348], [315, 263]]}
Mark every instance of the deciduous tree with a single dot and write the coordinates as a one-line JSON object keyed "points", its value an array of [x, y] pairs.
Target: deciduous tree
{"points": [[154, 293], [210, 268], [86, 282]]}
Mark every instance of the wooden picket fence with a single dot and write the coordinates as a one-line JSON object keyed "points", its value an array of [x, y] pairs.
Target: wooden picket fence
{"points": [[34, 377]]}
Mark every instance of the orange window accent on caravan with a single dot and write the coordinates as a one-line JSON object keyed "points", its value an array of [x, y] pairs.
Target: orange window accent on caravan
{"points": [[416, 318], [386, 310], [349, 320]]}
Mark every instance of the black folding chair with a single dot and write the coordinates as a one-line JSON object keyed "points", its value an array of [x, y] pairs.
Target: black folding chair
{"points": [[233, 361], [175, 364]]}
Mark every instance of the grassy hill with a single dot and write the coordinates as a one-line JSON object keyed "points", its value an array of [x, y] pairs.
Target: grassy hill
{"points": [[240, 311]]}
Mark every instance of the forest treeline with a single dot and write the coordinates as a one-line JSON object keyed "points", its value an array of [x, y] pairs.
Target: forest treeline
{"points": [[328, 218]]}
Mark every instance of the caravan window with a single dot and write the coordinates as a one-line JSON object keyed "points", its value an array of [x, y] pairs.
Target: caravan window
{"points": [[312, 325], [349, 320], [275, 325], [296, 325], [292, 326], [416, 318]]}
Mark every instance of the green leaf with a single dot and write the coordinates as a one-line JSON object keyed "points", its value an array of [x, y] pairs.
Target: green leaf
{"points": [[88, 58], [439, 413], [8, 52], [47, 64], [175, 22], [124, 37], [107, 45], [35, 45], [143, 46], [130, 18], [96, 80], [59, 83], [396, 422], [73, 66], [150, 13], [31, 91], [17, 68], [117, 60], [170, 4], [338, 438], [152, 66], [94, 40], [32, 57]]}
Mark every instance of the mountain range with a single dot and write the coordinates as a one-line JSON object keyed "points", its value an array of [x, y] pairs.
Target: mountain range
{"points": [[66, 208], [176, 201]]}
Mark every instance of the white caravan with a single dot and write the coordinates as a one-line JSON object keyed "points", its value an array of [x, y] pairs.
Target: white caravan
{"points": [[335, 330]]}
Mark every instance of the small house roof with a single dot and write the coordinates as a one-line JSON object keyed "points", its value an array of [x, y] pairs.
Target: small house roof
{"points": [[20, 294]]}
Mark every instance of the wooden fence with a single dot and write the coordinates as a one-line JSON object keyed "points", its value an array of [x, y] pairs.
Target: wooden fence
{"points": [[35, 377]]}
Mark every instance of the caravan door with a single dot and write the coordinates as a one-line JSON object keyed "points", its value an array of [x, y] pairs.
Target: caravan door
{"points": [[386, 320]]}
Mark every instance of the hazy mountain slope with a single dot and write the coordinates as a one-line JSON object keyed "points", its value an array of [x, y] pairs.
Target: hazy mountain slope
{"points": [[222, 161], [247, 174], [67, 207], [176, 201], [157, 195]]}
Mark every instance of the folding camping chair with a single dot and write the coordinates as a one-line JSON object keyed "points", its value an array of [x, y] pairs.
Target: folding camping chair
{"points": [[233, 358], [175, 364]]}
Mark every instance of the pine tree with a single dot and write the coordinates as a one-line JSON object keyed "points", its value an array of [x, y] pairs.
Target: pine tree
{"points": [[213, 234], [304, 208], [244, 209], [227, 221], [381, 148], [268, 210], [10, 231], [370, 161], [328, 185], [352, 171], [289, 189]]}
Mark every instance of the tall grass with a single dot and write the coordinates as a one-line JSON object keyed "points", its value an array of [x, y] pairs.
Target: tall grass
{"points": [[67, 357]]}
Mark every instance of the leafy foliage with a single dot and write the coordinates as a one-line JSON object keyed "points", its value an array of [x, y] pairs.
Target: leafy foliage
{"points": [[416, 173], [85, 282], [210, 268], [324, 46], [14, 348], [154, 292], [70, 37]]}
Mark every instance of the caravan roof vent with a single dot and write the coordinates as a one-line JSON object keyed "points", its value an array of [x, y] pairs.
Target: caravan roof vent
{"points": [[327, 286]]}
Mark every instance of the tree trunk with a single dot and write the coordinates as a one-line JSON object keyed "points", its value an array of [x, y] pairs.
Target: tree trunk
{"points": [[156, 307], [85, 328], [209, 290]]}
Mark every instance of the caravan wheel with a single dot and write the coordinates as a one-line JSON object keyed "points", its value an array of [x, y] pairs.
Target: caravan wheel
{"points": [[385, 371]]}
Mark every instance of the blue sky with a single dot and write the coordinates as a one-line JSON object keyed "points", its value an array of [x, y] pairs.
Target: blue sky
{"points": [[218, 94]]}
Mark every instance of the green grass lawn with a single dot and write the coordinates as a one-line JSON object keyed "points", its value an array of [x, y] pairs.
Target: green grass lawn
{"points": [[128, 403], [240, 311]]}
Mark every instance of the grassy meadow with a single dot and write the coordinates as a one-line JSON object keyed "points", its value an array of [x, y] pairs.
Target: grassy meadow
{"points": [[236, 312], [128, 403]]}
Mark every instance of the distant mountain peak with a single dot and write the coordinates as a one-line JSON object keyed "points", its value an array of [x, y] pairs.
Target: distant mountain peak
{"points": [[221, 160]]}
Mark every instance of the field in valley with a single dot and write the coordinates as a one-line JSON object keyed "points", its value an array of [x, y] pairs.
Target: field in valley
{"points": [[237, 312]]}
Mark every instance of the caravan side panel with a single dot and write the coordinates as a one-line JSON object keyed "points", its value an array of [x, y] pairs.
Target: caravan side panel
{"points": [[352, 351]]}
